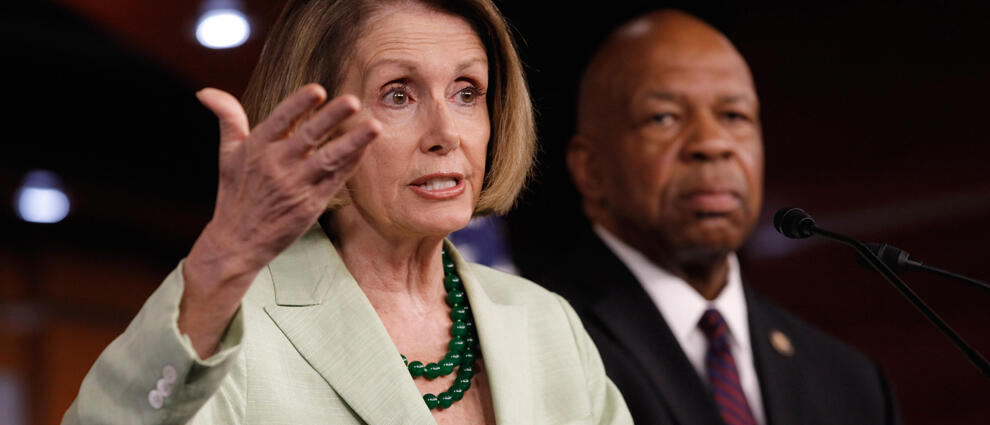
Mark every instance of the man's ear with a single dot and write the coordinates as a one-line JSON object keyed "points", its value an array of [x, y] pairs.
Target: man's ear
{"points": [[584, 164]]}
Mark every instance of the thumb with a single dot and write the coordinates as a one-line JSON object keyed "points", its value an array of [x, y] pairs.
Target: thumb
{"points": [[233, 120]]}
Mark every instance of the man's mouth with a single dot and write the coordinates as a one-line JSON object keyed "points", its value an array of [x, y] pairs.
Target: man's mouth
{"points": [[711, 202]]}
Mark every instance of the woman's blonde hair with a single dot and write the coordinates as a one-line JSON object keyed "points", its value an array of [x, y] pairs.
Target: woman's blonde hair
{"points": [[312, 40]]}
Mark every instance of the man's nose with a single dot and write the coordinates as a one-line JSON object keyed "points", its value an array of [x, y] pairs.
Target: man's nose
{"points": [[442, 136], [708, 140]]}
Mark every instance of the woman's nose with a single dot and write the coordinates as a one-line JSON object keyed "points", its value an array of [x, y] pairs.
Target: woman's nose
{"points": [[443, 136]]}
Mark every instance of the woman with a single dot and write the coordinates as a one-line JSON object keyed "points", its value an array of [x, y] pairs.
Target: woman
{"points": [[369, 317]]}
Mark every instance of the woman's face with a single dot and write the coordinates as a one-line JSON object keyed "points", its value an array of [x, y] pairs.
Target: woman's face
{"points": [[423, 74]]}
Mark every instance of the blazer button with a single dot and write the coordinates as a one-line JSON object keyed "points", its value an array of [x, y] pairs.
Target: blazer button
{"points": [[156, 399], [164, 387], [168, 373]]}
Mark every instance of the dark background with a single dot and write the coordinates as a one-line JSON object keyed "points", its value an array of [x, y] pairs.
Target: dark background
{"points": [[874, 117]]}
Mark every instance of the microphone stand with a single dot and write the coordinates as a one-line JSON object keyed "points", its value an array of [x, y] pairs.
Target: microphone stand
{"points": [[971, 354]]}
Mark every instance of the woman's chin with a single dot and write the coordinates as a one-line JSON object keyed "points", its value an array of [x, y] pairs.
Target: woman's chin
{"points": [[442, 223]]}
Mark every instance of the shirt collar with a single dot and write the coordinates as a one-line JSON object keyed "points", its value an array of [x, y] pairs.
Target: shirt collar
{"points": [[678, 302]]}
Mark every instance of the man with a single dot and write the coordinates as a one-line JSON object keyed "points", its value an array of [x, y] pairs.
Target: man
{"points": [[668, 157]]}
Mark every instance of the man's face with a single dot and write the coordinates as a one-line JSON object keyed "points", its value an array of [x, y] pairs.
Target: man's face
{"points": [[681, 158]]}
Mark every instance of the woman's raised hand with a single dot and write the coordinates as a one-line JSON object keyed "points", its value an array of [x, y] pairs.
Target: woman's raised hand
{"points": [[275, 181]]}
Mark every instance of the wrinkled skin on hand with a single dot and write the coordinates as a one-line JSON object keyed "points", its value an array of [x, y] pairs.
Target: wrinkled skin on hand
{"points": [[275, 181]]}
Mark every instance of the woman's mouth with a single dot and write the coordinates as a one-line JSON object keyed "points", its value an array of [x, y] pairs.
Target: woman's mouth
{"points": [[439, 186]]}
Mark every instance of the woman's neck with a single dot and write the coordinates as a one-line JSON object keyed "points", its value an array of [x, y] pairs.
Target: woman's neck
{"points": [[388, 268]]}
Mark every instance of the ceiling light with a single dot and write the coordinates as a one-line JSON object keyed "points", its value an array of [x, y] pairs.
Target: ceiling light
{"points": [[40, 198], [222, 29]]}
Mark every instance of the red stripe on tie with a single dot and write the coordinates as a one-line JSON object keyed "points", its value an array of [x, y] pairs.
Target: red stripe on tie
{"points": [[729, 409], [722, 372], [730, 374], [729, 391]]}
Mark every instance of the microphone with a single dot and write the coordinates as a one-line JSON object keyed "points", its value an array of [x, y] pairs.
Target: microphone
{"points": [[900, 261], [795, 223]]}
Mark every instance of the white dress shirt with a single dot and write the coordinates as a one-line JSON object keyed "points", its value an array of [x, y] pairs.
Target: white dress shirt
{"points": [[682, 307]]}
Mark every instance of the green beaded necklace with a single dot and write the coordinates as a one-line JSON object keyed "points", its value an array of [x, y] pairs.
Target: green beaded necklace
{"points": [[462, 349]]}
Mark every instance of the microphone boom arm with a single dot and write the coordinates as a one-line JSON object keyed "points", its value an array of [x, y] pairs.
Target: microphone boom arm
{"points": [[971, 354], [946, 273]]}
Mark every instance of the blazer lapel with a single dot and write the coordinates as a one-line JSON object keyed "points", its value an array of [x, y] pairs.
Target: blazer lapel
{"points": [[327, 318], [776, 365], [628, 312], [504, 348], [629, 316]]}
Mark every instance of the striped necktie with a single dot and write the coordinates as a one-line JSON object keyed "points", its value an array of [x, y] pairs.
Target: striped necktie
{"points": [[722, 372]]}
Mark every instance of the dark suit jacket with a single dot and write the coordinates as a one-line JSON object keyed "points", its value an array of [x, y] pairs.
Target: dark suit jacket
{"points": [[821, 382]]}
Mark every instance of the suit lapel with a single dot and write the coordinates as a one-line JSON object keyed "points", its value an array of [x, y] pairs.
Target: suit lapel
{"points": [[628, 313], [504, 347], [334, 327], [630, 316], [778, 369]]}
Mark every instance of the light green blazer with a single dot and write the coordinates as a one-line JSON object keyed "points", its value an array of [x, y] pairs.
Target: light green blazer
{"points": [[306, 347]]}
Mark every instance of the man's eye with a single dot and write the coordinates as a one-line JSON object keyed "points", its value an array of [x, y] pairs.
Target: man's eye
{"points": [[662, 119], [735, 116]]}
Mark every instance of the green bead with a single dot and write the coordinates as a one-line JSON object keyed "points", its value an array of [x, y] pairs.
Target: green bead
{"points": [[457, 345], [446, 366], [446, 399], [466, 371], [452, 282], [455, 298], [432, 370], [467, 358], [416, 368], [457, 393], [464, 383], [455, 357], [448, 267], [470, 340], [404, 359], [459, 329], [431, 400], [459, 313]]}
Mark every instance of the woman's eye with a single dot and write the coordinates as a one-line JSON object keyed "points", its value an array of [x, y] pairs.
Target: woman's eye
{"points": [[469, 95], [397, 96]]}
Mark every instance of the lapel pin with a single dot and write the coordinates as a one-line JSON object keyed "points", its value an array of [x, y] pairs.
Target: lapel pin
{"points": [[781, 343]]}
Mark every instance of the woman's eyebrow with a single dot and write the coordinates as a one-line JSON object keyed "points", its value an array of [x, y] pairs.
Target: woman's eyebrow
{"points": [[412, 66], [406, 64], [471, 62]]}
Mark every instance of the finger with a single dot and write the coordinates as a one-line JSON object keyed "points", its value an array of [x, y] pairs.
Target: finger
{"points": [[233, 121], [314, 131], [332, 184], [342, 152], [285, 116]]}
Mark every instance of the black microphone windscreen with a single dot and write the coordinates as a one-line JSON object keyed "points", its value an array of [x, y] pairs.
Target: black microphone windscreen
{"points": [[793, 223]]}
